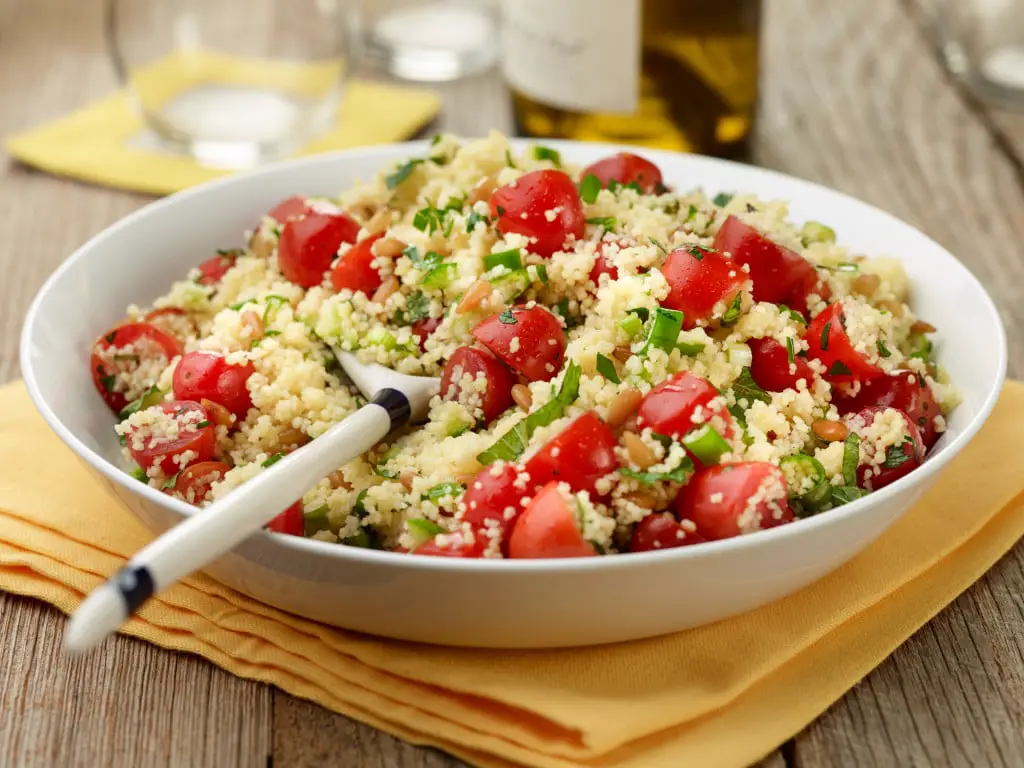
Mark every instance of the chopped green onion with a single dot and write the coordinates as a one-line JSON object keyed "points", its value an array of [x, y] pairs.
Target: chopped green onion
{"points": [[706, 444], [441, 276], [815, 498], [745, 388], [508, 159], [658, 245], [851, 458], [690, 213], [722, 199], [608, 222], [316, 520], [423, 530], [633, 325], [458, 428], [542, 273], [824, 336], [896, 456], [401, 174], [921, 347], [569, 389], [699, 251], [790, 350], [442, 490], [475, 218], [677, 475], [546, 153], [150, 397], [363, 539], [732, 314], [510, 259], [690, 348], [203, 424], [883, 351], [739, 354], [793, 314], [273, 460], [606, 368], [589, 188], [239, 305], [274, 303], [843, 266], [140, 474], [816, 232], [511, 285], [664, 330]]}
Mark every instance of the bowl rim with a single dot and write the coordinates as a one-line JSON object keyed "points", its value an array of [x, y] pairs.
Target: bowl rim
{"points": [[357, 555]]}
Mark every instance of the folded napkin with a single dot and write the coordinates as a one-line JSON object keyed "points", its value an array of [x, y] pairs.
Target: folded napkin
{"points": [[719, 695], [108, 143]]}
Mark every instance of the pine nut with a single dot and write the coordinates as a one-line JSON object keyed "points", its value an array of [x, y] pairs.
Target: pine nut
{"points": [[623, 406], [362, 211], [389, 247], [386, 289], [639, 452], [406, 478], [643, 499], [894, 308], [337, 480], [483, 190], [830, 431], [866, 284], [253, 322], [292, 437], [262, 243], [477, 292], [622, 354], [522, 397], [219, 415], [920, 326], [380, 222]]}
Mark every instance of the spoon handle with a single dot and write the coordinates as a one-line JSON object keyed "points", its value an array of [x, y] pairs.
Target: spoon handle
{"points": [[217, 529]]}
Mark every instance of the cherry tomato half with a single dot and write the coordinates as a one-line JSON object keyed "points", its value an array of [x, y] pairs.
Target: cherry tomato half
{"points": [[291, 208], [699, 282], [899, 460], [292, 521], [476, 361], [173, 320], [309, 244], [602, 266], [780, 275], [719, 500], [771, 368], [214, 268], [661, 530], [208, 376], [579, 455], [522, 207], [626, 168], [121, 351], [491, 496], [530, 341], [547, 528], [185, 428], [670, 407], [422, 330], [905, 390], [194, 481], [355, 270], [454, 545], [828, 343]]}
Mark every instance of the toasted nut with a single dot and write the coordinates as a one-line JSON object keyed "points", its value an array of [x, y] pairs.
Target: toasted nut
{"points": [[866, 284], [522, 397], [263, 243], [894, 308], [337, 480], [253, 322], [406, 478], [643, 499], [292, 437], [477, 292], [388, 287], [639, 452], [361, 211], [380, 222], [483, 190], [920, 326], [623, 406], [830, 431], [219, 415], [389, 247], [622, 354]]}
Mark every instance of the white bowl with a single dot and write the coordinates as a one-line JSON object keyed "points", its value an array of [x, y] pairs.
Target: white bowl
{"points": [[510, 604]]}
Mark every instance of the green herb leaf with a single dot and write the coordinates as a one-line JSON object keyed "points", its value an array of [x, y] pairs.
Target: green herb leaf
{"points": [[722, 199], [844, 494], [570, 388], [851, 458], [542, 273], [400, 175], [546, 153], [658, 245], [150, 397], [508, 159], [203, 424], [274, 303], [110, 337], [824, 336], [839, 368], [690, 214], [424, 529], [895, 456], [677, 475], [476, 218], [690, 348], [793, 314], [698, 251], [608, 222], [883, 351], [509, 446], [501, 211], [241, 304], [417, 306], [170, 482], [106, 381], [440, 276], [273, 460], [745, 388], [732, 314], [589, 188], [428, 219], [790, 350], [512, 259], [140, 474], [442, 490], [508, 318], [606, 368], [664, 330]]}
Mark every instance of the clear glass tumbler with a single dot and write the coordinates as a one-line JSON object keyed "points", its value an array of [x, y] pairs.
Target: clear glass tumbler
{"points": [[430, 40], [982, 43], [232, 83]]}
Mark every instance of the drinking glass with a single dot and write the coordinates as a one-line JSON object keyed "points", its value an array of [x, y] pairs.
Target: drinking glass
{"points": [[232, 83], [982, 43]]}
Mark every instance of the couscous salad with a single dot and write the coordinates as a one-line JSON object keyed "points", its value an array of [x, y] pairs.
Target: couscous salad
{"points": [[625, 365]]}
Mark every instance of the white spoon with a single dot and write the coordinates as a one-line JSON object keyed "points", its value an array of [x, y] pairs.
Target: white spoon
{"points": [[396, 399]]}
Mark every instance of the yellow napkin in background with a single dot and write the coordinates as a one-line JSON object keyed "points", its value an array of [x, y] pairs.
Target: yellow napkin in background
{"points": [[720, 695], [108, 143]]}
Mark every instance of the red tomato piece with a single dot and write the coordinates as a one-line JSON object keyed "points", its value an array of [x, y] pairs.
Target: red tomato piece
{"points": [[213, 269], [905, 390], [291, 208], [292, 521], [186, 428], [355, 269], [208, 376], [454, 545], [522, 206], [771, 368], [309, 244], [533, 345], [626, 168], [660, 530], [699, 281], [120, 351], [602, 266], [422, 330], [780, 275], [194, 481], [898, 461], [547, 528], [476, 361], [494, 497], [719, 499], [579, 455], [173, 320], [829, 344], [670, 407]]}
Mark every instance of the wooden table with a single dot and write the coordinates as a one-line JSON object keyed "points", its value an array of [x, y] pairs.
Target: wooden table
{"points": [[853, 98]]}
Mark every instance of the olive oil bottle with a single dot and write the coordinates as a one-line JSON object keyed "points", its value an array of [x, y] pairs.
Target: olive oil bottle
{"points": [[676, 74]]}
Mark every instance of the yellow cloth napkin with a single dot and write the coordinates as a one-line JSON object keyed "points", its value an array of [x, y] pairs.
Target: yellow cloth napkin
{"points": [[108, 143], [720, 695]]}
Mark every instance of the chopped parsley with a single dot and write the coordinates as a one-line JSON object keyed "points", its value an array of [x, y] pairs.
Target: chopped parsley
{"points": [[745, 388], [417, 306], [239, 305], [111, 336], [140, 474], [429, 219], [508, 159], [606, 368], [608, 222], [203, 424], [722, 199], [546, 153], [844, 494], [824, 336], [401, 174], [150, 397], [677, 475], [589, 188], [732, 314], [883, 351], [508, 317], [698, 251], [476, 218], [658, 245], [441, 490], [273, 460], [542, 273], [839, 368], [790, 350], [895, 456], [170, 482]]}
